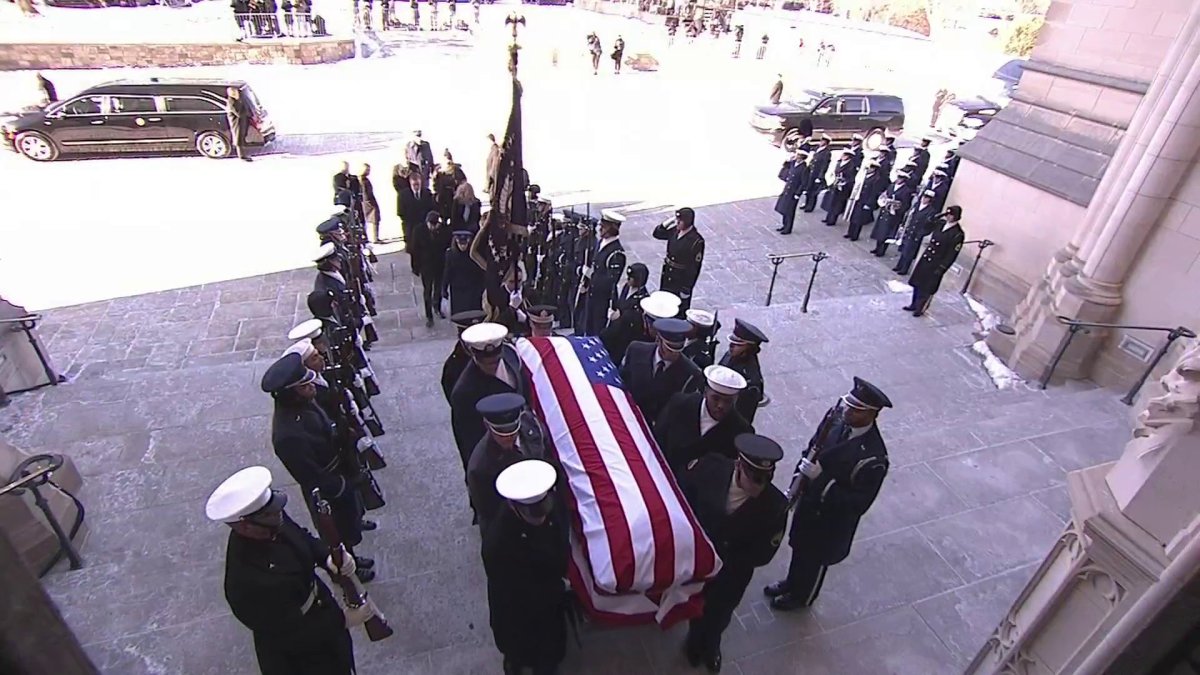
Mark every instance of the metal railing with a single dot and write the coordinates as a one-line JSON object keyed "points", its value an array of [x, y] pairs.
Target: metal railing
{"points": [[279, 24], [777, 260], [982, 244], [26, 477], [1074, 327], [26, 324]]}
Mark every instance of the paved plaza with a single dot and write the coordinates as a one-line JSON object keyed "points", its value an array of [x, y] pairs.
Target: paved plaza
{"points": [[163, 403]]}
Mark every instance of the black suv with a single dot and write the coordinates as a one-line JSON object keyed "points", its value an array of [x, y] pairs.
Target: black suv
{"points": [[838, 113], [138, 116]]}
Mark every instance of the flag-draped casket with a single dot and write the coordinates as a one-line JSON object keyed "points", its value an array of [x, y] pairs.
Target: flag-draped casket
{"points": [[638, 553]]}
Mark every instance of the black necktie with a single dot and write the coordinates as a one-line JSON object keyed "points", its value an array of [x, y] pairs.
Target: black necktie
{"points": [[658, 369]]}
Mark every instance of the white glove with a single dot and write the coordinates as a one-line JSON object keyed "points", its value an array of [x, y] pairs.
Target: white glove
{"points": [[587, 271], [809, 468], [357, 616], [613, 315], [348, 565], [514, 299]]}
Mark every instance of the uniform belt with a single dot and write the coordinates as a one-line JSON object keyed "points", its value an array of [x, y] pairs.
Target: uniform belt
{"points": [[674, 265], [309, 601]]}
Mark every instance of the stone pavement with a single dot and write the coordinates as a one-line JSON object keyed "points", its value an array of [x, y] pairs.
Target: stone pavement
{"points": [[163, 403]]}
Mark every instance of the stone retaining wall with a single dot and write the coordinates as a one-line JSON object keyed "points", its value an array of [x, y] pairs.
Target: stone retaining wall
{"points": [[51, 56]]}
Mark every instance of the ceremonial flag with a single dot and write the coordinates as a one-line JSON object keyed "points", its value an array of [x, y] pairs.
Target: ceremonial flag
{"points": [[492, 248], [638, 552]]}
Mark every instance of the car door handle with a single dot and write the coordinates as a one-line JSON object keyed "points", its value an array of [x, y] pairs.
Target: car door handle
{"points": [[97, 121], [153, 119]]}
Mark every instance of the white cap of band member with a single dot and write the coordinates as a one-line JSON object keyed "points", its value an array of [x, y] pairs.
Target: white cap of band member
{"points": [[244, 493], [484, 337], [612, 216], [303, 347], [310, 329], [661, 305], [526, 482], [701, 317], [724, 380], [327, 250]]}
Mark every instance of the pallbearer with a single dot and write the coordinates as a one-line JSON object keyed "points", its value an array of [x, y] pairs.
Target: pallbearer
{"points": [[513, 433], [458, 359], [694, 424], [495, 368], [653, 371], [744, 345], [744, 515], [701, 344], [270, 580], [541, 321]]}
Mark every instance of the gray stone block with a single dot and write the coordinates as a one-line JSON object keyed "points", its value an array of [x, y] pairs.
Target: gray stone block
{"points": [[1076, 449], [994, 539], [910, 496], [997, 473], [965, 617]]}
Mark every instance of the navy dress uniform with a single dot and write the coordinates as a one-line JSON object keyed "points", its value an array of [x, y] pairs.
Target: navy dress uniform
{"points": [[863, 213], [541, 321], [657, 305], [654, 371], [495, 368], [835, 489], [896, 200], [305, 440], [330, 280], [514, 433], [685, 255], [270, 580], [625, 322], [701, 347], [920, 158], [745, 517], [921, 223], [462, 277], [816, 174], [694, 424], [795, 177], [939, 255], [744, 345], [844, 173], [458, 359], [525, 552], [604, 273]]}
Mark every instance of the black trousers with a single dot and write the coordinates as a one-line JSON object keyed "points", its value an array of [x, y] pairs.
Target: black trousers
{"points": [[721, 597], [806, 574], [856, 229], [810, 198], [908, 253], [920, 300], [431, 292], [327, 648], [837, 204], [789, 218]]}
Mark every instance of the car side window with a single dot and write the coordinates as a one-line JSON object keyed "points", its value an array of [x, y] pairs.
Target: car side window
{"points": [[825, 107], [133, 104], [852, 105], [88, 105], [188, 104]]}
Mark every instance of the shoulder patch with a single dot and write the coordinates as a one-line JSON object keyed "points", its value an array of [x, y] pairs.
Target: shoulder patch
{"points": [[692, 464]]}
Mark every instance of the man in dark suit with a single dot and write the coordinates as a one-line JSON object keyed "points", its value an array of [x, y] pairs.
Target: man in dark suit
{"points": [[873, 185], [745, 343], [495, 368], [939, 255], [654, 371], [744, 516], [844, 173], [458, 359], [693, 424], [795, 177], [601, 276], [816, 174], [420, 156], [625, 321], [921, 224], [415, 205], [685, 255], [896, 200], [834, 484]]}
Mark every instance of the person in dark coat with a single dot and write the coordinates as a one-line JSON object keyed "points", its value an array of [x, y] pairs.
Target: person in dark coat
{"points": [[654, 371], [832, 488], [465, 211], [400, 176], [420, 156], [939, 182], [513, 433], [462, 278], [625, 321], [48, 90], [445, 182], [844, 173], [304, 440], [920, 158], [939, 255], [525, 552], [776, 90], [458, 359], [873, 185], [817, 169], [921, 223], [856, 151], [415, 205], [603, 274], [701, 346], [270, 580], [695, 423], [618, 53], [744, 516], [887, 156], [341, 179], [330, 280], [895, 203], [430, 244], [795, 176], [495, 368], [952, 160], [238, 116], [685, 255], [745, 343], [370, 205]]}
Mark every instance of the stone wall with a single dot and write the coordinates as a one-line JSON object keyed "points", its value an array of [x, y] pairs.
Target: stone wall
{"points": [[51, 56]]}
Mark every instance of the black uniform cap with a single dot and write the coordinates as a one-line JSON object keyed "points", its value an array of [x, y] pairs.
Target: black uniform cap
{"points": [[463, 233], [467, 318], [330, 225], [639, 273], [320, 303], [686, 213], [343, 198], [542, 314], [288, 371], [869, 395], [748, 332], [673, 330], [758, 451], [501, 411]]}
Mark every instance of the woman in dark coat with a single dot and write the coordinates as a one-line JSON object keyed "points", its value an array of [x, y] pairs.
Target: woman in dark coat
{"points": [[430, 243], [400, 174], [462, 278], [464, 214]]}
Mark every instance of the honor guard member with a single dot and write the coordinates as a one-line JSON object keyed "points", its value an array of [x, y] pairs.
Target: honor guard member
{"points": [[794, 175], [513, 433], [305, 441], [745, 516], [895, 202], [939, 182], [818, 167], [694, 424], [921, 224], [920, 158], [935, 261], [856, 151], [685, 255], [330, 279], [887, 155], [654, 371], [458, 359], [541, 321], [271, 584], [863, 213], [745, 343], [603, 274], [625, 321], [832, 491], [701, 346], [525, 554], [844, 173], [657, 305], [341, 338], [495, 368]]}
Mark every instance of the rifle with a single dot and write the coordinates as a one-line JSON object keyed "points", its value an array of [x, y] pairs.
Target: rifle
{"points": [[343, 371], [589, 251], [800, 481], [355, 597], [713, 342]]}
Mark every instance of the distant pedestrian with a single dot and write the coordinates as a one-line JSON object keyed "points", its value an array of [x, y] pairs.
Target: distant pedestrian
{"points": [[618, 54], [475, 6], [941, 98], [776, 90], [416, 10], [595, 49], [739, 32], [238, 117], [493, 162], [370, 204], [762, 49], [48, 90]]}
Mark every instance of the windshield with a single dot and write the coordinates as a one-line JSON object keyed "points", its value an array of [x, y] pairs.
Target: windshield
{"points": [[805, 99]]}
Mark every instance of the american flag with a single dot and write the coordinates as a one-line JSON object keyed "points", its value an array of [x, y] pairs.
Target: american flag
{"points": [[638, 552]]}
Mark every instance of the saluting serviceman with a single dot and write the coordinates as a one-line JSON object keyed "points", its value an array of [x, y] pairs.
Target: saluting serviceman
{"points": [[694, 424], [525, 552], [817, 168], [654, 371], [794, 175], [920, 158], [495, 368], [939, 255], [513, 433], [600, 278], [271, 584], [458, 359], [625, 320], [832, 490], [745, 343], [685, 255], [921, 224], [701, 345], [745, 516]]}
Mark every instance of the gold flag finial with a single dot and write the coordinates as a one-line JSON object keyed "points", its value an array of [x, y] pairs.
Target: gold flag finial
{"points": [[514, 20]]}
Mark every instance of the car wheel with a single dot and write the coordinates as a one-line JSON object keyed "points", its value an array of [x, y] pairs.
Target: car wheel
{"points": [[874, 140], [790, 139], [36, 146], [213, 145]]}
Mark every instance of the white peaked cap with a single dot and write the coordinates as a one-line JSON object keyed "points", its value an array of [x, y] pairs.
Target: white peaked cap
{"points": [[661, 305], [310, 329], [484, 335], [527, 481], [701, 317], [724, 380], [240, 495], [325, 251]]}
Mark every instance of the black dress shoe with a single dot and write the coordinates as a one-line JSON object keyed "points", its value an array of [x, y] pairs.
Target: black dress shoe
{"points": [[362, 562], [785, 232], [787, 602], [918, 314], [713, 662], [907, 308], [364, 575], [368, 525], [776, 589]]}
